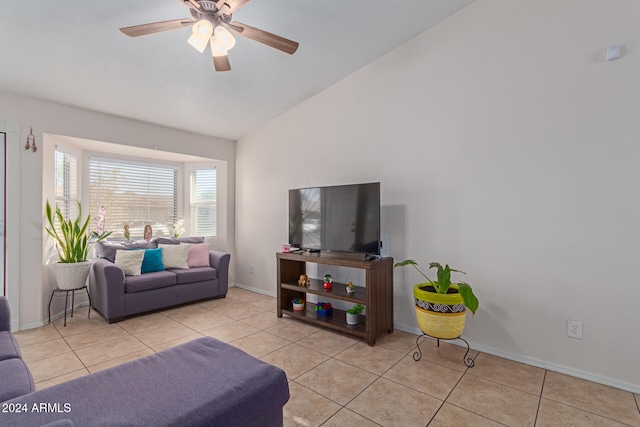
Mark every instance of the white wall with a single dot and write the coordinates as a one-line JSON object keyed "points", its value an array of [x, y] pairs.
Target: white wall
{"points": [[51, 118], [507, 147]]}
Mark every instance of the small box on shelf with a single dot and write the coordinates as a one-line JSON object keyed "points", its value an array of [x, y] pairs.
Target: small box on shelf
{"points": [[324, 309]]}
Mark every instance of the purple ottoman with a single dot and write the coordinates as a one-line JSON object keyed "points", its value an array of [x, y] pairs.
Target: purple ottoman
{"points": [[204, 382]]}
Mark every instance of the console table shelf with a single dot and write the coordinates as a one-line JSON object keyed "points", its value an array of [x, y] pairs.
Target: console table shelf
{"points": [[338, 292], [335, 321], [376, 295]]}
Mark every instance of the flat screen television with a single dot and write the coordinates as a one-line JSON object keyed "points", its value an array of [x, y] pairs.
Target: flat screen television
{"points": [[343, 218]]}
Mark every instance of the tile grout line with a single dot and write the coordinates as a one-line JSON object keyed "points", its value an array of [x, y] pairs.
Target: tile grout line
{"points": [[329, 357], [87, 367], [67, 338], [379, 376], [74, 351], [464, 372], [544, 380], [606, 417]]}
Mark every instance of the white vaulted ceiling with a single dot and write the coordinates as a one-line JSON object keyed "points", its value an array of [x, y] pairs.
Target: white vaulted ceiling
{"points": [[71, 52]]}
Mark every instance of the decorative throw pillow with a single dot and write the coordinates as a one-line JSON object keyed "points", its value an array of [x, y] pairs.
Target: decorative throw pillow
{"points": [[175, 256], [129, 261], [177, 240], [152, 261], [107, 249], [198, 254]]}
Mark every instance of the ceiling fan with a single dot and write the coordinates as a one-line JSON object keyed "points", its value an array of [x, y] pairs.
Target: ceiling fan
{"points": [[212, 24]]}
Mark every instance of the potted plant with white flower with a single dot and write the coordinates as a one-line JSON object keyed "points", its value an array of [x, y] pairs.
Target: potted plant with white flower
{"points": [[71, 240], [178, 228]]}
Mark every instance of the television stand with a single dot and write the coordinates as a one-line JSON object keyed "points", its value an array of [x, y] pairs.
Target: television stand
{"points": [[370, 257], [376, 295]]}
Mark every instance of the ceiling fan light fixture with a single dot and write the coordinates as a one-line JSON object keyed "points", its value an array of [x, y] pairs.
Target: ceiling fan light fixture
{"points": [[212, 22], [224, 37], [198, 43], [201, 32], [203, 28], [217, 49]]}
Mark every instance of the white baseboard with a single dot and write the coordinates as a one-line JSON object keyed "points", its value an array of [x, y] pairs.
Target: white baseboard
{"points": [[567, 370], [256, 290], [54, 316], [14, 322], [561, 369]]}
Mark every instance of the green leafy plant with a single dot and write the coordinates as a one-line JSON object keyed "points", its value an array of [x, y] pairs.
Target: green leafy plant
{"points": [[72, 243], [443, 283], [356, 309]]}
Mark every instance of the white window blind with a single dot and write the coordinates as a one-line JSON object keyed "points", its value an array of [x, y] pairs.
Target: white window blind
{"points": [[203, 202], [66, 180], [134, 194]]}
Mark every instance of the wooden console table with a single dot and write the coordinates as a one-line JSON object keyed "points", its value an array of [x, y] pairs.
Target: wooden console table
{"points": [[376, 295]]}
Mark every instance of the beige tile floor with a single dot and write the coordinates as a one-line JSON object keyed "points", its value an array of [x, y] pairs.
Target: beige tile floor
{"points": [[336, 380]]}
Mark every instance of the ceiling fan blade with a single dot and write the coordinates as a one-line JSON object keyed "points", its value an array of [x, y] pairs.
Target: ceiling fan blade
{"points": [[235, 5], [156, 27], [220, 4], [221, 63], [194, 3], [261, 36]]}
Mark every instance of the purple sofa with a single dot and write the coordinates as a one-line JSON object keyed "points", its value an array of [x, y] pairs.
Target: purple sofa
{"points": [[204, 382], [116, 296], [15, 378]]}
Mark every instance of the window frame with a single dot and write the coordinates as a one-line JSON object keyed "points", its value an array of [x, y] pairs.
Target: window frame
{"points": [[71, 180], [194, 168]]}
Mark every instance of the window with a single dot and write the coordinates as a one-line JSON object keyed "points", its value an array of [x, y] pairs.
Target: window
{"points": [[134, 194], [66, 182], [203, 202]]}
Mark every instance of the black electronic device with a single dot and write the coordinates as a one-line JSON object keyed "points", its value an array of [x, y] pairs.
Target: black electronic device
{"points": [[341, 218]]}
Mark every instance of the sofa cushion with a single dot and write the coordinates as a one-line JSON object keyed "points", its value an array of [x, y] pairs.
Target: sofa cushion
{"points": [[152, 261], [60, 423], [178, 240], [9, 348], [175, 256], [198, 254], [16, 379], [193, 275], [204, 382], [129, 261], [145, 282], [106, 249], [5, 314]]}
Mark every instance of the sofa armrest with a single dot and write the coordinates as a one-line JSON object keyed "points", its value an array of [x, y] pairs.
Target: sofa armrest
{"points": [[5, 315], [106, 287], [220, 261]]}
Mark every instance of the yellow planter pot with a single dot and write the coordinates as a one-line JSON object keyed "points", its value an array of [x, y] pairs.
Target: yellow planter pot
{"points": [[439, 315]]}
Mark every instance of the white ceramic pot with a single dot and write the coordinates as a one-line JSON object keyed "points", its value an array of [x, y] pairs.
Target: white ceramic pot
{"points": [[72, 275], [352, 319]]}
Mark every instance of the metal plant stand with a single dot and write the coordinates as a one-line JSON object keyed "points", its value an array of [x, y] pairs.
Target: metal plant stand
{"points": [[469, 362], [66, 301]]}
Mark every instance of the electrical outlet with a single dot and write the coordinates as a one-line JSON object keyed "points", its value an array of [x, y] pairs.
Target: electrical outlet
{"points": [[574, 329], [251, 269]]}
